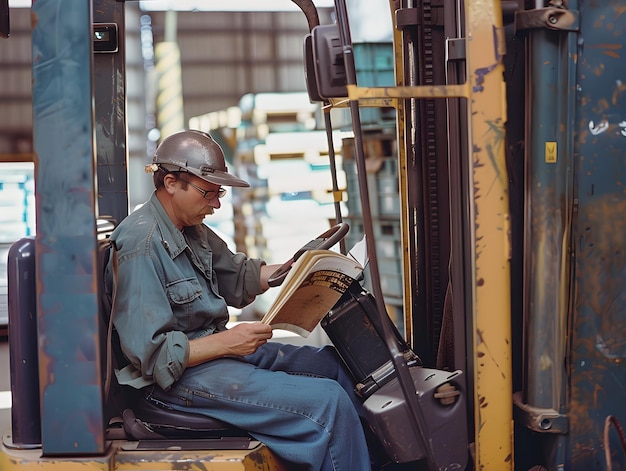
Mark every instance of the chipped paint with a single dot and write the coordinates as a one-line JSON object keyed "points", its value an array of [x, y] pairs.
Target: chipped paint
{"points": [[598, 128], [491, 309], [598, 317]]}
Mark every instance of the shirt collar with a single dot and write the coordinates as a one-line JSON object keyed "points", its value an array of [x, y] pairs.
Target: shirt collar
{"points": [[172, 239]]}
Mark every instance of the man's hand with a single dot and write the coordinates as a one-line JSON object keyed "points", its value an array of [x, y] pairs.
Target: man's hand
{"points": [[242, 339], [245, 338]]}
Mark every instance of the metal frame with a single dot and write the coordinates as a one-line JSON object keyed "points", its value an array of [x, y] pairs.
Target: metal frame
{"points": [[488, 299]]}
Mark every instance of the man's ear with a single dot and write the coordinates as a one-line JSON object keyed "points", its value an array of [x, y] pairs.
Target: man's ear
{"points": [[169, 182]]}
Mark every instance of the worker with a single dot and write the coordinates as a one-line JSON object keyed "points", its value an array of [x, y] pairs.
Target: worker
{"points": [[174, 281]]}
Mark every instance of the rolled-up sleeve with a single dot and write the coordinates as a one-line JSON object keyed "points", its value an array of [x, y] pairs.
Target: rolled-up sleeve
{"points": [[172, 359]]}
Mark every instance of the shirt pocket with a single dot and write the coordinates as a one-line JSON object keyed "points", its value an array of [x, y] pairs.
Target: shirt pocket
{"points": [[183, 291]]}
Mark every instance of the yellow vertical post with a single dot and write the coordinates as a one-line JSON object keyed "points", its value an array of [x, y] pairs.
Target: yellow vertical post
{"points": [[403, 189], [491, 317], [170, 114]]}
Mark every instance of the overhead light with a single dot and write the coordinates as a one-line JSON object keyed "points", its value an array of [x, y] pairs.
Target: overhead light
{"points": [[227, 5], [20, 3]]}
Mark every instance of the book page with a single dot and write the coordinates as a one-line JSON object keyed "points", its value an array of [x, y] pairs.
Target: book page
{"points": [[359, 252], [315, 283]]}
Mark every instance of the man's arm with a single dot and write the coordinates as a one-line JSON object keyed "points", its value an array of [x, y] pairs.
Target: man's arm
{"points": [[266, 272], [242, 339]]}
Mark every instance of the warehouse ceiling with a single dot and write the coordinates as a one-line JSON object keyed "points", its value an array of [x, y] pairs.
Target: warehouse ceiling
{"points": [[223, 56], [230, 5], [208, 5]]}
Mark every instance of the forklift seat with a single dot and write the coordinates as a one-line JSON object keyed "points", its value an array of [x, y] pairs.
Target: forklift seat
{"points": [[145, 418]]}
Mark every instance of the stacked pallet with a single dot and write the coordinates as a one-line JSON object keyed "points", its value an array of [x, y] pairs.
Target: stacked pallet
{"points": [[382, 182]]}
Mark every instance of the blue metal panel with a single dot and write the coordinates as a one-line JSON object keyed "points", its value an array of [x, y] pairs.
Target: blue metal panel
{"points": [[597, 367], [69, 358]]}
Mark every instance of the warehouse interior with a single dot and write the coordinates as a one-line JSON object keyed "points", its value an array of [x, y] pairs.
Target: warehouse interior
{"points": [[239, 75]]}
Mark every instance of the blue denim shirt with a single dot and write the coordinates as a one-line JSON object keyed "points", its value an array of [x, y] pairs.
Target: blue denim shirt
{"points": [[168, 291]]}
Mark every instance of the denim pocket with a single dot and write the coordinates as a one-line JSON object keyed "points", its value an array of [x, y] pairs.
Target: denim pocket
{"points": [[183, 291]]}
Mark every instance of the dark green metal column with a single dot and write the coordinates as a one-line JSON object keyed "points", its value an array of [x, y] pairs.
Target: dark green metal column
{"points": [[549, 130], [549, 134], [67, 292], [110, 112]]}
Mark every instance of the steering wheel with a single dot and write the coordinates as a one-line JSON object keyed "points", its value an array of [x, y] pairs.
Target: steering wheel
{"points": [[323, 241]]}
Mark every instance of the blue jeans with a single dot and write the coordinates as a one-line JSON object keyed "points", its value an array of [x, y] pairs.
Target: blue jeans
{"points": [[299, 401]]}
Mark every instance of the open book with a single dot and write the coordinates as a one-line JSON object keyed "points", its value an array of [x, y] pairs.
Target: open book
{"points": [[313, 286]]}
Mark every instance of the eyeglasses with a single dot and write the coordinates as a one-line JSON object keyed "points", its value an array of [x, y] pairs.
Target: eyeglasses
{"points": [[208, 194]]}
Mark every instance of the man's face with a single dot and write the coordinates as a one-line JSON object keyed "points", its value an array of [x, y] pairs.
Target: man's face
{"points": [[194, 199]]}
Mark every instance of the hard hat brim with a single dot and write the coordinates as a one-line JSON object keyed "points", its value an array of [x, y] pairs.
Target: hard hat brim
{"points": [[220, 177]]}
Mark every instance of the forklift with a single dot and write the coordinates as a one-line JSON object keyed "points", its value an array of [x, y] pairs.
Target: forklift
{"points": [[510, 135]]}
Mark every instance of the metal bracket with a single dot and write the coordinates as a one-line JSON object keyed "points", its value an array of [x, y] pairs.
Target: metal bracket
{"points": [[455, 49], [539, 419], [406, 17], [410, 17], [558, 19]]}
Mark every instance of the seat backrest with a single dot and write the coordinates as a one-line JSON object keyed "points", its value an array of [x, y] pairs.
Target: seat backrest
{"points": [[105, 249], [111, 352], [23, 343]]}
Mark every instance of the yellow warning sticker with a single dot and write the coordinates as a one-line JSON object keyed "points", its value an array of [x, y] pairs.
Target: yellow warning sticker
{"points": [[550, 152]]}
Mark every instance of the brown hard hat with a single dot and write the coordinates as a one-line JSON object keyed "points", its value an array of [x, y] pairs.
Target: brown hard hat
{"points": [[196, 152]]}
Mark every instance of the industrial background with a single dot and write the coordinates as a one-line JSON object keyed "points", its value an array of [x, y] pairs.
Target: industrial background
{"points": [[239, 75], [223, 56]]}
